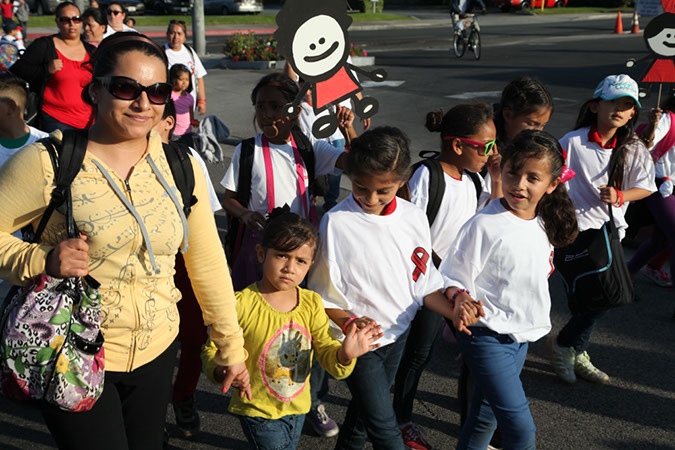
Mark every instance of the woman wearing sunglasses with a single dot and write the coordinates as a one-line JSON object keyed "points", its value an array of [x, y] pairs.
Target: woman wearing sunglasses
{"points": [[132, 231], [54, 67]]}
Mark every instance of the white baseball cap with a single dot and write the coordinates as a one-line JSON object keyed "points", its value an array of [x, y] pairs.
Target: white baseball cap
{"points": [[617, 86]]}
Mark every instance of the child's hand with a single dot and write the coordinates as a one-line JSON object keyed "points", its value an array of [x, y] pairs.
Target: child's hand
{"points": [[467, 311], [363, 322], [359, 341], [253, 220], [236, 376], [608, 194], [655, 115], [495, 165], [345, 117]]}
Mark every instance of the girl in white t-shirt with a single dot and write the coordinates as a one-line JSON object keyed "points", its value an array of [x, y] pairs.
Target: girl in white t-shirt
{"points": [[604, 131], [375, 262], [503, 256], [278, 175], [467, 144]]}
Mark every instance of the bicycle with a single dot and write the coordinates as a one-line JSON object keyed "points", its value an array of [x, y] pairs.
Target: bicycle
{"points": [[467, 36]]}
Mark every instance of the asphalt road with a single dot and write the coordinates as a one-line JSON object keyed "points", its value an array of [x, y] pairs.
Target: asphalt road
{"points": [[636, 410]]}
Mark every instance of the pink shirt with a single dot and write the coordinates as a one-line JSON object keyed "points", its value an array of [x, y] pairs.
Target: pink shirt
{"points": [[184, 105]]}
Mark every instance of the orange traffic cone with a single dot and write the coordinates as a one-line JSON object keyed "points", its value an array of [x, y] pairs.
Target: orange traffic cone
{"points": [[618, 28], [635, 25]]}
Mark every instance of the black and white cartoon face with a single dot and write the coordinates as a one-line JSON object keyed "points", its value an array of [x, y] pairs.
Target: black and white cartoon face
{"points": [[663, 44], [319, 46], [313, 37]]}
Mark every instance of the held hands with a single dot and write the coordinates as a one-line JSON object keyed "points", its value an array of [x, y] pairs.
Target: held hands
{"points": [[608, 194], [359, 340], [467, 311], [253, 220], [54, 66], [69, 259], [236, 376]]}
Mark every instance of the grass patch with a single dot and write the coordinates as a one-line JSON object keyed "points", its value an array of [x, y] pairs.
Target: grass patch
{"points": [[580, 10], [260, 19]]}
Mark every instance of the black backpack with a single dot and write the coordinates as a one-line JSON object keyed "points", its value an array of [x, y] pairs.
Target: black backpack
{"points": [[437, 182], [73, 146], [317, 185]]}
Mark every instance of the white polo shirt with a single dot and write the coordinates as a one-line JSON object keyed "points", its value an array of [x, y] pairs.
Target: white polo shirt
{"points": [[591, 163]]}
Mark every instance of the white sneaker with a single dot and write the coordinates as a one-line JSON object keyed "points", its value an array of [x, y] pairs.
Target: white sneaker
{"points": [[586, 370], [562, 360]]}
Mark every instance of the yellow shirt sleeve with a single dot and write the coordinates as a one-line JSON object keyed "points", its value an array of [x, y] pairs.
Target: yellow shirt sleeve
{"points": [[24, 195], [207, 268], [324, 344]]}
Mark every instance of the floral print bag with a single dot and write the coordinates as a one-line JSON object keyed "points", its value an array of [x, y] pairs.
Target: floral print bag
{"points": [[51, 346]]}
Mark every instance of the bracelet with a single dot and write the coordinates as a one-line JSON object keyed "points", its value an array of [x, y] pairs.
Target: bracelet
{"points": [[454, 296], [619, 200], [348, 322], [201, 102]]}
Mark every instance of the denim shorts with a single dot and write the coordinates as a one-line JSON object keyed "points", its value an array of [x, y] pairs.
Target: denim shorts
{"points": [[273, 434]]}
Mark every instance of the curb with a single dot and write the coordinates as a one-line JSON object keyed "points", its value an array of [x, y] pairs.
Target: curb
{"points": [[155, 34]]}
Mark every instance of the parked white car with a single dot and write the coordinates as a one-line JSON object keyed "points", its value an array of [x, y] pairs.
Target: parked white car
{"points": [[233, 6]]}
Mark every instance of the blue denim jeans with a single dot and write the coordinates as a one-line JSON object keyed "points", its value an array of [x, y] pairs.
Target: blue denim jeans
{"points": [[577, 332], [421, 337], [371, 414], [273, 434], [495, 361]]}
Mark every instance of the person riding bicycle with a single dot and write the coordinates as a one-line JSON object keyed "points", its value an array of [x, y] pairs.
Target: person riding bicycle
{"points": [[460, 8]]}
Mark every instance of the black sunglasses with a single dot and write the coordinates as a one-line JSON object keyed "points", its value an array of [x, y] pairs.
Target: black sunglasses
{"points": [[126, 88], [114, 12], [74, 19]]}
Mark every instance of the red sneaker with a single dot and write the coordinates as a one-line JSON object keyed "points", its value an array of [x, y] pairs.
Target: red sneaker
{"points": [[413, 439]]}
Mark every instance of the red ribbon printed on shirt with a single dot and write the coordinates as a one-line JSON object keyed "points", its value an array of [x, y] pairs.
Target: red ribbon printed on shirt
{"points": [[420, 257]]}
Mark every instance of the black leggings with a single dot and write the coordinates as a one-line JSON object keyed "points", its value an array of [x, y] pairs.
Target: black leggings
{"points": [[130, 413]]}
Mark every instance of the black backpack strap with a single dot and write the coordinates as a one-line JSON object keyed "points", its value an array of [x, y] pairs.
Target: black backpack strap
{"points": [[306, 150], [178, 157], [234, 228], [245, 171], [67, 157], [477, 184], [436, 186]]}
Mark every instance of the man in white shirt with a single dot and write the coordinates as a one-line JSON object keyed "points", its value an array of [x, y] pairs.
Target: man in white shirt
{"points": [[116, 16]]}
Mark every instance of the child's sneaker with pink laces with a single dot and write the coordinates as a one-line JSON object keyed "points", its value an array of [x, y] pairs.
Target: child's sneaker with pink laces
{"points": [[412, 438]]}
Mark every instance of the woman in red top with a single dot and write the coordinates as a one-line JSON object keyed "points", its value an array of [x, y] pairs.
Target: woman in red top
{"points": [[6, 8], [55, 68]]}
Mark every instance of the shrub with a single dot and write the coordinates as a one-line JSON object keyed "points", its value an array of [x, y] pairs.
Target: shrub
{"points": [[251, 47], [357, 51]]}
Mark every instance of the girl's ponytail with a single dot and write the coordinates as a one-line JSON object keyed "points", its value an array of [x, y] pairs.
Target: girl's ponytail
{"points": [[560, 219], [555, 209]]}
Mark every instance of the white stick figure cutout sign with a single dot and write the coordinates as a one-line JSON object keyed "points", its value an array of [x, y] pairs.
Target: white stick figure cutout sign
{"points": [[313, 37]]}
